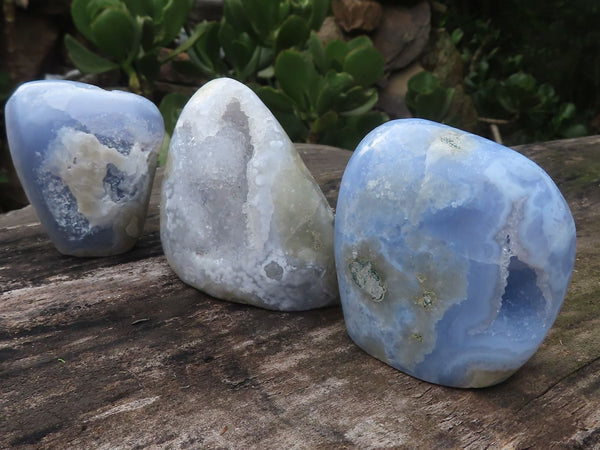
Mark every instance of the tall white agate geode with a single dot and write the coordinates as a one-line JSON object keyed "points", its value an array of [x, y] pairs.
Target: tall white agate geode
{"points": [[86, 159], [242, 219], [453, 253]]}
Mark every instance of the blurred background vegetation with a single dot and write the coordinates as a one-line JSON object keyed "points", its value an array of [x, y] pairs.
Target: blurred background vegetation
{"points": [[330, 70]]}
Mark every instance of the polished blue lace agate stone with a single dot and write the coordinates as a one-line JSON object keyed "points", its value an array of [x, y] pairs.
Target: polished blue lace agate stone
{"points": [[86, 158], [453, 253]]}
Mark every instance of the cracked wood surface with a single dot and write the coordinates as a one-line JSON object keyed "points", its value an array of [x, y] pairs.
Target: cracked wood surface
{"points": [[118, 353]]}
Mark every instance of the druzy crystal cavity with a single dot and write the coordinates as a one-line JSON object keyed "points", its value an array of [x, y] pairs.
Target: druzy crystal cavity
{"points": [[242, 219], [86, 158], [453, 253]]}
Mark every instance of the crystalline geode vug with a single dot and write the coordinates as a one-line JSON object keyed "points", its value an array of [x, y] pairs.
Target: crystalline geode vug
{"points": [[86, 158], [242, 219]]}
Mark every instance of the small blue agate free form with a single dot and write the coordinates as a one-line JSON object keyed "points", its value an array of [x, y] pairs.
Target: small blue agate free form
{"points": [[453, 253], [86, 158]]}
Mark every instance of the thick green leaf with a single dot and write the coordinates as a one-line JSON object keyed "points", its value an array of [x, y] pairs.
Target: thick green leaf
{"points": [[81, 18], [267, 73], [319, 11], [263, 16], [267, 58], [85, 60], [353, 98], [206, 50], [365, 64], [284, 10], [148, 66], [360, 41], [235, 16], [201, 30], [147, 39], [423, 83], [353, 129], [293, 33], [170, 107], [332, 87], [174, 16], [456, 36], [566, 112], [275, 99], [252, 66], [142, 8], [521, 81], [163, 153], [365, 123], [238, 48], [434, 105], [324, 123], [318, 52], [293, 126], [95, 7], [370, 102], [114, 33], [336, 52], [193, 69], [297, 77]]}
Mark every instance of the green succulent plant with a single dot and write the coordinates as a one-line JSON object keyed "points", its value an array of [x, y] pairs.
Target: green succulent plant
{"points": [[128, 35], [427, 98], [319, 93], [326, 94], [246, 41]]}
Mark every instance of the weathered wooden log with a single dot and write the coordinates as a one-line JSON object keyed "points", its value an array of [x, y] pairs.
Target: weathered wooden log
{"points": [[117, 352]]}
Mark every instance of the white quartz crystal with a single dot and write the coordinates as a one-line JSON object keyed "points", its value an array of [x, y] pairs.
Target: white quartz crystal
{"points": [[242, 219]]}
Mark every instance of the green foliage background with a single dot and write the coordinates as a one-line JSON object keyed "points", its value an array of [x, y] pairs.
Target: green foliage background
{"points": [[320, 94], [532, 66]]}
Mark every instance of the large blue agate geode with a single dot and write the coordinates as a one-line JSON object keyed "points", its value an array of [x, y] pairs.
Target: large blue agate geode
{"points": [[86, 158], [453, 253]]}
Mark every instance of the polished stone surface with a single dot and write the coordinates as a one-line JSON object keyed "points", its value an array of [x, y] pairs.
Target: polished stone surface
{"points": [[86, 158], [242, 219], [454, 253]]}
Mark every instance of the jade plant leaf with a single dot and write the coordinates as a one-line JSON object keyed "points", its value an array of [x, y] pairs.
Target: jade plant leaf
{"points": [[238, 47], [234, 14], [263, 16], [427, 98], [333, 86], [365, 64], [174, 15], [336, 52], [360, 41], [140, 7], [317, 51], [81, 18], [275, 99], [319, 11], [368, 100], [113, 31], [353, 129], [326, 122], [85, 60], [170, 107], [207, 46], [297, 77], [294, 32]]}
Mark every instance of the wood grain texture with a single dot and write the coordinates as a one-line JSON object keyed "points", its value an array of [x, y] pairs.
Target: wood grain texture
{"points": [[118, 353]]}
